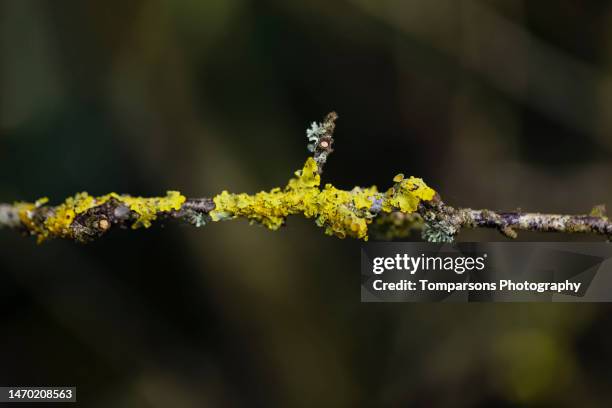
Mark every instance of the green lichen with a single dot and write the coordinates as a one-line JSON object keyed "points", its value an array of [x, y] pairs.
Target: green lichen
{"points": [[342, 213]]}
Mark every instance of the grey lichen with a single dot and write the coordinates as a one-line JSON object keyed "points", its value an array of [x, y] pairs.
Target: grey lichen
{"points": [[320, 139], [9, 216]]}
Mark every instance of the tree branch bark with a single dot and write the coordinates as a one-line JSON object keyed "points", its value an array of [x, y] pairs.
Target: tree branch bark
{"points": [[435, 220]]}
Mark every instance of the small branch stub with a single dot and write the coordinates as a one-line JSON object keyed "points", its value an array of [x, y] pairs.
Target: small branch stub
{"points": [[320, 139]]}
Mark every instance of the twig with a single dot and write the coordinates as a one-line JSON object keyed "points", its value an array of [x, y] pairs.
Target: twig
{"points": [[408, 206], [442, 223], [320, 139]]}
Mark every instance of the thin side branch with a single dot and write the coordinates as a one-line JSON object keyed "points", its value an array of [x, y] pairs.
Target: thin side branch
{"points": [[320, 139], [408, 206]]}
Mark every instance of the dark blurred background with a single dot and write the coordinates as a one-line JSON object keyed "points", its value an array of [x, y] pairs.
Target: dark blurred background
{"points": [[498, 104]]}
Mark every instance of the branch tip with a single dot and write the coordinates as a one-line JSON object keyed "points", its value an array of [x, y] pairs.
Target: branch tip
{"points": [[320, 138]]}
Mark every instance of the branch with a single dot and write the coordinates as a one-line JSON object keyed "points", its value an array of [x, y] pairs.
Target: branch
{"points": [[408, 206], [444, 225]]}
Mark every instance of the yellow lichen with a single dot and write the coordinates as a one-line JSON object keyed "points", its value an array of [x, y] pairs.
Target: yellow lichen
{"points": [[148, 208], [342, 213], [58, 222], [24, 210], [406, 194]]}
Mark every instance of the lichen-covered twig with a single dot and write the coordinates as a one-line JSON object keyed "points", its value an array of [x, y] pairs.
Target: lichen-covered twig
{"points": [[442, 223], [320, 139], [408, 205], [84, 218]]}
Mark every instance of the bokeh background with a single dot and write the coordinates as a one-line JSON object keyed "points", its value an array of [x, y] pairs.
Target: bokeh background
{"points": [[498, 104]]}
